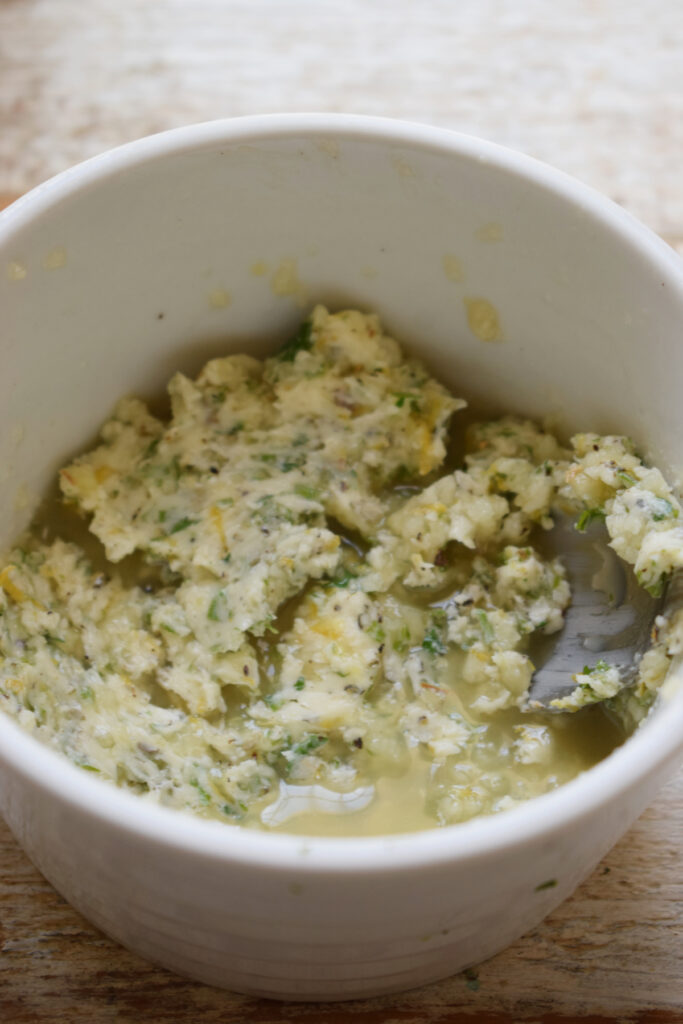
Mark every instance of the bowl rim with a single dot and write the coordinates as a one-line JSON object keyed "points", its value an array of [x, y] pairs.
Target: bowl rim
{"points": [[644, 755]]}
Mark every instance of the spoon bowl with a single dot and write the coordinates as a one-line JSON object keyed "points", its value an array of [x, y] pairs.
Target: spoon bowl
{"points": [[610, 619]]}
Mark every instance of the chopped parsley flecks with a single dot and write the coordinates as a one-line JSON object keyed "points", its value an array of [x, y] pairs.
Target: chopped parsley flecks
{"points": [[302, 341]]}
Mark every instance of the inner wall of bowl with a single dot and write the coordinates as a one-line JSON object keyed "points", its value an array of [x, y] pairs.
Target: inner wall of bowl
{"points": [[224, 246]]}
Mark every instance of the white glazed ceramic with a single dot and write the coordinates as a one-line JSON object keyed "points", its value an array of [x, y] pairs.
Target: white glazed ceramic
{"points": [[106, 278]]}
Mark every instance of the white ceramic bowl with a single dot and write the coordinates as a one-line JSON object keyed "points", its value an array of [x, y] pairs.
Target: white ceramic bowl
{"points": [[111, 276]]}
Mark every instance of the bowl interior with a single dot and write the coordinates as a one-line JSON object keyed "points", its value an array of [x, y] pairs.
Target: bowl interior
{"points": [[220, 238], [143, 263]]}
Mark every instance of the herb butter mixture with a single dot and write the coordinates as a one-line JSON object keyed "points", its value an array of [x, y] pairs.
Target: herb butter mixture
{"points": [[298, 605]]}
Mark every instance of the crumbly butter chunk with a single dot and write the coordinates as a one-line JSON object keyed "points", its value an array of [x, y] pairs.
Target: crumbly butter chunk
{"points": [[293, 590]]}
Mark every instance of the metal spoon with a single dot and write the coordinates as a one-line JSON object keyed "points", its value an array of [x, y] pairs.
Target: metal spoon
{"points": [[610, 617]]}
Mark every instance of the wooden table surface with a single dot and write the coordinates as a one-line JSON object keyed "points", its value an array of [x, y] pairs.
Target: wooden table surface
{"points": [[593, 86]]}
